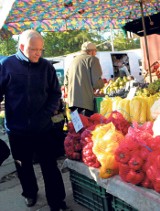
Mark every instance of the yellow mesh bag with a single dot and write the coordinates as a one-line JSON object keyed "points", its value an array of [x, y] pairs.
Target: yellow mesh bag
{"points": [[115, 102], [150, 102], [106, 107], [138, 109], [106, 139], [124, 108]]}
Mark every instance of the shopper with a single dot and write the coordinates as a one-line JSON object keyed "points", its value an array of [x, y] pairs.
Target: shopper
{"points": [[82, 78], [29, 85], [123, 71]]}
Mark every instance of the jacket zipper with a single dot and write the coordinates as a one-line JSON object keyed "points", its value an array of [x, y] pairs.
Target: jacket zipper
{"points": [[29, 121]]}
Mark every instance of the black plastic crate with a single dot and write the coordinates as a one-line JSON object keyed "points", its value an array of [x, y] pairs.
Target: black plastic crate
{"points": [[120, 205], [89, 194]]}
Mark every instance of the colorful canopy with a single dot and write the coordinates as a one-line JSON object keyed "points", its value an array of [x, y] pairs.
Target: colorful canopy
{"points": [[61, 15]]}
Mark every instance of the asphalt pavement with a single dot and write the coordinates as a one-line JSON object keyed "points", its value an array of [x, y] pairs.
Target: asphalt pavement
{"points": [[10, 188]]}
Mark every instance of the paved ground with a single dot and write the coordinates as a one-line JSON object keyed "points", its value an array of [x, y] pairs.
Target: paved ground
{"points": [[10, 189]]}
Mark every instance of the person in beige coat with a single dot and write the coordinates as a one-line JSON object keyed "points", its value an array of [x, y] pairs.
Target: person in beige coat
{"points": [[84, 75]]}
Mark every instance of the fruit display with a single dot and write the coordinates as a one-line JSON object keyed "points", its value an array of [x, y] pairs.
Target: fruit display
{"points": [[101, 92], [123, 138], [149, 89], [121, 86], [116, 87]]}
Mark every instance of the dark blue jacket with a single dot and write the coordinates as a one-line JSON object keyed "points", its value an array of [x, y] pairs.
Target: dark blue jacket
{"points": [[31, 92]]}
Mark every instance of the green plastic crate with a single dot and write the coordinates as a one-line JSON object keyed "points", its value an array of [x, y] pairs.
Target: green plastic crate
{"points": [[97, 104], [120, 205], [2, 114], [87, 193], [1, 121]]}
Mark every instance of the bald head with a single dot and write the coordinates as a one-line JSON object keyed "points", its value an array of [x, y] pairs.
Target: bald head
{"points": [[31, 44], [27, 35]]}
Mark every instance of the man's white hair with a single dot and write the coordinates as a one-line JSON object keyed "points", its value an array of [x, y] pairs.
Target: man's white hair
{"points": [[27, 35]]}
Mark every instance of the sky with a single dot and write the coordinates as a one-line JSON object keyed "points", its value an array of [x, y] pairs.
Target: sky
{"points": [[5, 6]]}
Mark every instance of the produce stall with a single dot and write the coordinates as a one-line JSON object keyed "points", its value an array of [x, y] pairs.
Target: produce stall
{"points": [[117, 151], [140, 198]]}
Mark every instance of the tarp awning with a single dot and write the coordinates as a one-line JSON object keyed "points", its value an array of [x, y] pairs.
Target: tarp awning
{"points": [[60, 15]]}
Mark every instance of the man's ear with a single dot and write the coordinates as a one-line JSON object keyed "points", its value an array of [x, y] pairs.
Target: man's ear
{"points": [[21, 47], [89, 52]]}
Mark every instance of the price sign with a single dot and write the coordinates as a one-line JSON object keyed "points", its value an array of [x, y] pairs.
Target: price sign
{"points": [[76, 120], [131, 93]]}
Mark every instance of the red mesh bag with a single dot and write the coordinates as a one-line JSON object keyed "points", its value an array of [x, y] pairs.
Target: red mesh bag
{"points": [[119, 122], [88, 157], [153, 169], [73, 146], [132, 155], [155, 143], [86, 135], [147, 127], [84, 120], [97, 118], [70, 127]]}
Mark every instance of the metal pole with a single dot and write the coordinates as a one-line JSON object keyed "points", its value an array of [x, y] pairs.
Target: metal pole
{"points": [[145, 39], [111, 38]]}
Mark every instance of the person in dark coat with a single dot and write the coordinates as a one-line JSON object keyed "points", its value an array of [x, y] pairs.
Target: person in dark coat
{"points": [[4, 151], [31, 90]]}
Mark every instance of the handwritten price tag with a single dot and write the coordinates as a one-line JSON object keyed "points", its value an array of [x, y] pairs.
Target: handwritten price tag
{"points": [[76, 120]]}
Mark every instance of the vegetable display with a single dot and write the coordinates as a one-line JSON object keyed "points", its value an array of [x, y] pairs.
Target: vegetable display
{"points": [[136, 109], [122, 139]]}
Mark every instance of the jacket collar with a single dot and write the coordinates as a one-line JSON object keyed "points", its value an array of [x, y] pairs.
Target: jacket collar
{"points": [[83, 53], [21, 56]]}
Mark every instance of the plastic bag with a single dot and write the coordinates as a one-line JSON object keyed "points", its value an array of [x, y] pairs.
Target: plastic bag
{"points": [[106, 139], [138, 109], [155, 109], [150, 102], [132, 154], [156, 126]]}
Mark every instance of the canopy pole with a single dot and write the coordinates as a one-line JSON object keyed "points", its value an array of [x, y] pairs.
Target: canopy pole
{"points": [[111, 38], [145, 39]]}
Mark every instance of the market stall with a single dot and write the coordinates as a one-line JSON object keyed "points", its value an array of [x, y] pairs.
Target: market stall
{"points": [[117, 112], [117, 149]]}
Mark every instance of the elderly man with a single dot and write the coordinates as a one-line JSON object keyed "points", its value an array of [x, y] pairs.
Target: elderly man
{"points": [[82, 78], [30, 87]]}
